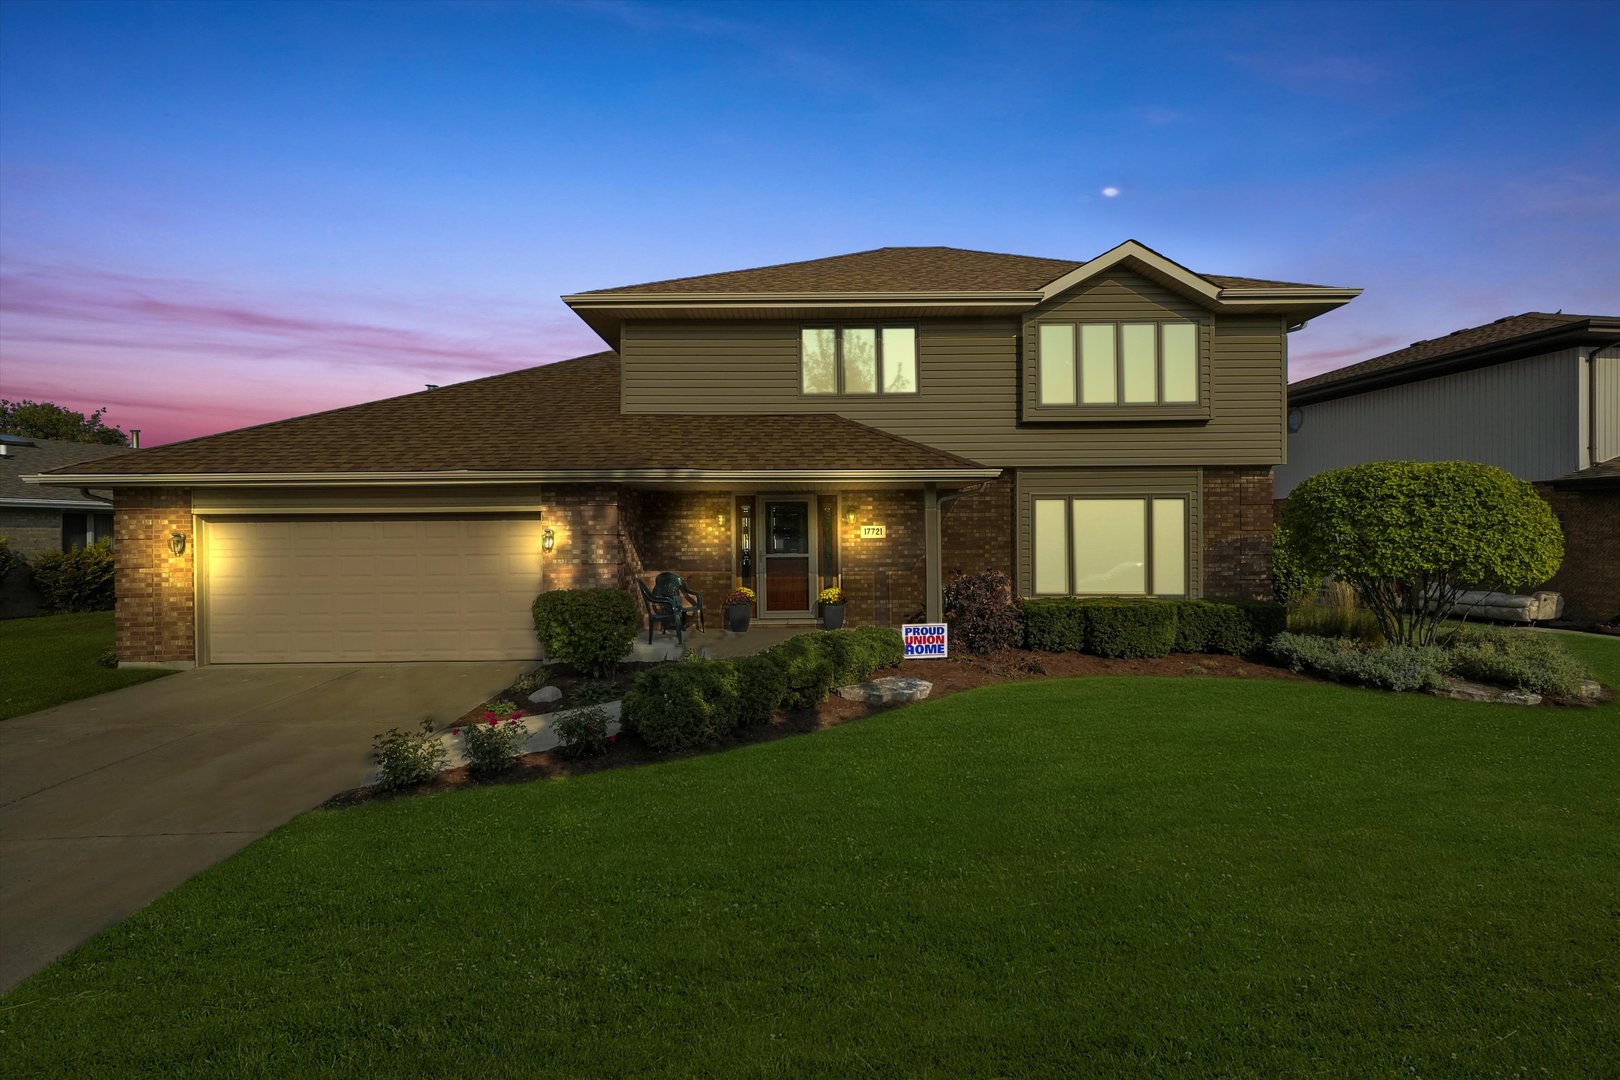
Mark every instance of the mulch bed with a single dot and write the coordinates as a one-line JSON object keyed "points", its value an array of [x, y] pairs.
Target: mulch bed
{"points": [[949, 676]]}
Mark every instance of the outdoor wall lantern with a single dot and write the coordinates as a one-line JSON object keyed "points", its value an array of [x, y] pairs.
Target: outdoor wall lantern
{"points": [[177, 543], [548, 540], [720, 519], [849, 518]]}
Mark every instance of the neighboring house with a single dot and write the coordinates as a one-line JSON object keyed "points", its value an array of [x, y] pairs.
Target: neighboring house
{"points": [[37, 520], [1536, 394], [880, 421]]}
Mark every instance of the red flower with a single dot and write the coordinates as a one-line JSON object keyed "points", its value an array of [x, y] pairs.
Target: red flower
{"points": [[492, 723], [455, 731], [489, 716], [613, 738], [517, 716]]}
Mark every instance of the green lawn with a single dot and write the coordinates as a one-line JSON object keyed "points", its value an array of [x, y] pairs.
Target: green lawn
{"points": [[52, 659], [1091, 877]]}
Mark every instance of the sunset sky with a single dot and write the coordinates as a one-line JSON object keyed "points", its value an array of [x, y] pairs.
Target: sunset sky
{"points": [[217, 214]]}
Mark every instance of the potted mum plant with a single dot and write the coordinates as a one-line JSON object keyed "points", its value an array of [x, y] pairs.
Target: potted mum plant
{"points": [[739, 606], [832, 608]]}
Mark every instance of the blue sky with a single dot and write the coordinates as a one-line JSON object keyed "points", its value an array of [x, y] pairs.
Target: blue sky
{"points": [[216, 214]]}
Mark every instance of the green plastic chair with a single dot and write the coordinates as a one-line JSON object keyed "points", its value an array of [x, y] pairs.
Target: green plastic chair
{"points": [[667, 605]]}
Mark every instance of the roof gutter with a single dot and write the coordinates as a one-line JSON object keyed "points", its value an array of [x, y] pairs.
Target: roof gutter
{"points": [[490, 477]]}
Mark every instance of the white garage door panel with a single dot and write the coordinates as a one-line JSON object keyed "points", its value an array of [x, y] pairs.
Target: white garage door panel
{"points": [[442, 587]]}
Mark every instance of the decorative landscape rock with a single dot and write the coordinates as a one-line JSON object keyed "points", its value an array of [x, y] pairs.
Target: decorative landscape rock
{"points": [[1589, 690], [889, 690], [1463, 690], [546, 695]]}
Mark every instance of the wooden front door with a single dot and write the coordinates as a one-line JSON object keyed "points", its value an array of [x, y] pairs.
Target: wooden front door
{"points": [[787, 542]]}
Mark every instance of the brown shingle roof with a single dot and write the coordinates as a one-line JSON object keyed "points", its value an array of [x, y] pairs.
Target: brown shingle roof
{"points": [[561, 416], [1456, 344], [1605, 474], [897, 269]]}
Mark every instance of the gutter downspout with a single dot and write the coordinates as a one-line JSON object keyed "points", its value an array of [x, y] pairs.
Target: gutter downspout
{"points": [[1591, 406], [934, 505]]}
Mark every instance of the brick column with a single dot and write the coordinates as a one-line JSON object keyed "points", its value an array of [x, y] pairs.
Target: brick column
{"points": [[156, 618], [589, 545], [1237, 518]]}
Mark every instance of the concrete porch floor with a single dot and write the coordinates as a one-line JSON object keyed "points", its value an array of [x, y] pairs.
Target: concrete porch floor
{"points": [[717, 644]]}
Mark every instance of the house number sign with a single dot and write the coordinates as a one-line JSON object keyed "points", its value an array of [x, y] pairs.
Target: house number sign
{"points": [[874, 532]]}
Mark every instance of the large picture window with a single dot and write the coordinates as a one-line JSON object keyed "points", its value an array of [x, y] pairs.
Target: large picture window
{"points": [[858, 360], [1115, 363], [1110, 546]]}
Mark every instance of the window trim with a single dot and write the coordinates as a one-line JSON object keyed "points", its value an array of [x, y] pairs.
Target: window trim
{"points": [[877, 329], [1120, 409], [1147, 499]]}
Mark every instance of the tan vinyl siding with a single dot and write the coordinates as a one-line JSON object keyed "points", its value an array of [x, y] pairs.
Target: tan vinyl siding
{"points": [[1523, 415], [1122, 482], [969, 384], [1605, 407]]}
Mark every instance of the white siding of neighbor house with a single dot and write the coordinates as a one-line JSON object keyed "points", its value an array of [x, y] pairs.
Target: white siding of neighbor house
{"points": [[1604, 413], [1525, 416]]}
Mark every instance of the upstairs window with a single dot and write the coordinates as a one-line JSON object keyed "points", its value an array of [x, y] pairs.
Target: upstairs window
{"points": [[858, 360], [1119, 363]]}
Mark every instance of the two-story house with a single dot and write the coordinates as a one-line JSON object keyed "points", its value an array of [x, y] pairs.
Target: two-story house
{"points": [[1536, 394], [878, 421]]}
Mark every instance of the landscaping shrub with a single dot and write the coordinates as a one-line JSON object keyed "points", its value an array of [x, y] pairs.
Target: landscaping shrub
{"points": [[1130, 629], [492, 743], [77, 580], [762, 683], [1232, 627], [685, 705], [982, 615], [1392, 667], [408, 757], [1293, 584], [887, 646], [808, 669], [526, 684], [1522, 659], [9, 560], [1054, 625], [1411, 536], [594, 692], [589, 629], [108, 657], [582, 732]]}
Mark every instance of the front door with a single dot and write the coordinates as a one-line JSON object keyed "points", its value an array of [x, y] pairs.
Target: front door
{"points": [[786, 527]]}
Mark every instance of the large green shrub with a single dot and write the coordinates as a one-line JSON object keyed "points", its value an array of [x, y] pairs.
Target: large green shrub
{"points": [[683, 706], [591, 630], [1233, 627], [1130, 629], [1057, 625], [808, 670], [1293, 585], [886, 645], [1411, 536], [77, 580], [761, 684]]}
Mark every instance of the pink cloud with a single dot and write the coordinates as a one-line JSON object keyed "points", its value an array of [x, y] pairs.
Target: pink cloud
{"points": [[179, 359]]}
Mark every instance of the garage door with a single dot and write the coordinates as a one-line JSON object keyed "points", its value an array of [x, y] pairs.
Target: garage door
{"points": [[433, 587]]}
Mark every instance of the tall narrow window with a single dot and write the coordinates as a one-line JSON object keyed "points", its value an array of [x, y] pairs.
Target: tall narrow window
{"points": [[1051, 546], [819, 351], [1097, 384], [1138, 346], [1170, 547], [899, 360], [860, 362], [1057, 364], [1180, 356]]}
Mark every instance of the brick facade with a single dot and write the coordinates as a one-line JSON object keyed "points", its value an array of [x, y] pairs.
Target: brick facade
{"points": [[885, 579], [1237, 518], [685, 532], [1589, 578], [156, 619], [977, 531]]}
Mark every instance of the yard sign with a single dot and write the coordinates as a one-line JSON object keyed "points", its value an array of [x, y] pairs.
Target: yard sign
{"points": [[925, 641]]}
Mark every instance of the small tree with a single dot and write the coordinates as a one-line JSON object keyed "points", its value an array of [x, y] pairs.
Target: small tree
{"points": [[48, 420], [1410, 537]]}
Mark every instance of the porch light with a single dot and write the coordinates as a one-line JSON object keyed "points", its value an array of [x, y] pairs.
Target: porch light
{"points": [[720, 519], [548, 540], [849, 518], [177, 543]]}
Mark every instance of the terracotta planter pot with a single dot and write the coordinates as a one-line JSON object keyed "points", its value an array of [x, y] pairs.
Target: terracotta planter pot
{"points": [[737, 616], [832, 616]]}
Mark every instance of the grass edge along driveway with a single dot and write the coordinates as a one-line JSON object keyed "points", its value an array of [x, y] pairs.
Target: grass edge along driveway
{"points": [[52, 659], [1101, 876]]}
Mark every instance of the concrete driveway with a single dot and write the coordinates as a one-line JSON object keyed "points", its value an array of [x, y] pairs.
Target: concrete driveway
{"points": [[109, 802]]}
